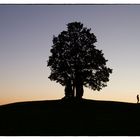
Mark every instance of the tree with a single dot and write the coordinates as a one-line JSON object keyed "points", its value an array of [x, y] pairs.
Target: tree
{"points": [[75, 62]]}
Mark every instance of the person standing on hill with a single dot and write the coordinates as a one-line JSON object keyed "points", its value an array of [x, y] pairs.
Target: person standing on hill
{"points": [[137, 98]]}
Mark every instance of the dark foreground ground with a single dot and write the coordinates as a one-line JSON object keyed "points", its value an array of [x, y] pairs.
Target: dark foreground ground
{"points": [[67, 118]]}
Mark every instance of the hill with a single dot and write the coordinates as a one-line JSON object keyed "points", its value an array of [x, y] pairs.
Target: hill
{"points": [[70, 118]]}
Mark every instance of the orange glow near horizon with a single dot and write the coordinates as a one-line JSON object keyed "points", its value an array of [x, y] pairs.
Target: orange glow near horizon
{"points": [[59, 93]]}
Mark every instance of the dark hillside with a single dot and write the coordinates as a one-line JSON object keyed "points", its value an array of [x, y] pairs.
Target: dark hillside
{"points": [[59, 117]]}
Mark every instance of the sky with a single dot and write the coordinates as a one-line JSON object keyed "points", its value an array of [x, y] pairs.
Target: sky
{"points": [[26, 33]]}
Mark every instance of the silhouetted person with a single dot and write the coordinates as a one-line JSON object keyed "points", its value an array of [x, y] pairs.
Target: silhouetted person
{"points": [[137, 98]]}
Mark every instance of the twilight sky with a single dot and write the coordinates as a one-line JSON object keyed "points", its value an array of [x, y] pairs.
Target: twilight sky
{"points": [[26, 33]]}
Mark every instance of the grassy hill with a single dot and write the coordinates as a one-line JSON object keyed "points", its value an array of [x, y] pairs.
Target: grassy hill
{"points": [[70, 118]]}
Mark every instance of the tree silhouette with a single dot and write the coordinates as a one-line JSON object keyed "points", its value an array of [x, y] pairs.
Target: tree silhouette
{"points": [[75, 62]]}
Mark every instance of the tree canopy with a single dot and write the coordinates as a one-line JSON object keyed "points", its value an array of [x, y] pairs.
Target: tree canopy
{"points": [[76, 62]]}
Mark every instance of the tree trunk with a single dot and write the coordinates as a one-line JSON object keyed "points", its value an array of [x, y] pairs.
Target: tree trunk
{"points": [[78, 85], [79, 91], [74, 94]]}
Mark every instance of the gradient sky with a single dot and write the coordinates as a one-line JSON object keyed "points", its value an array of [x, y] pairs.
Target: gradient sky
{"points": [[26, 33]]}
